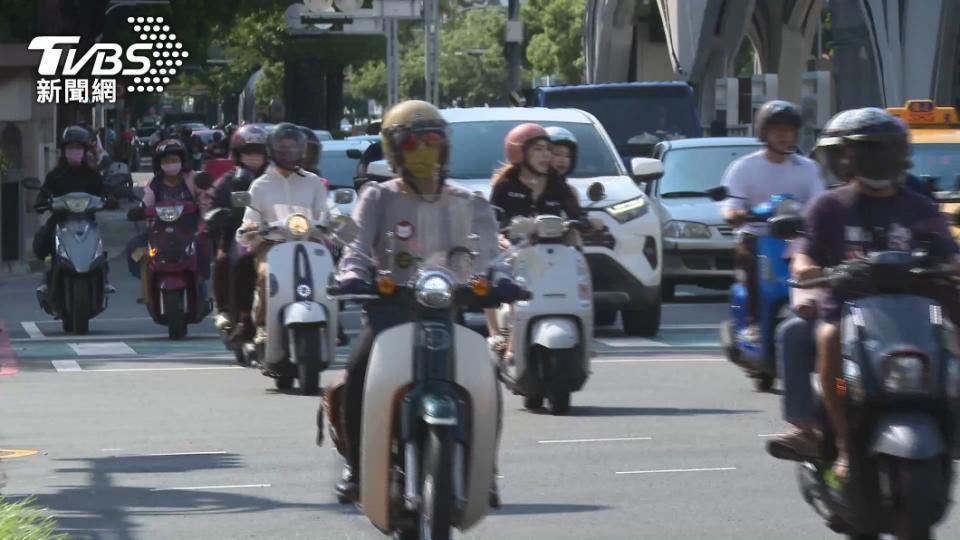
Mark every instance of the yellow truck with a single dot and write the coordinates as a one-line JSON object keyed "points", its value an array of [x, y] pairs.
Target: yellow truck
{"points": [[935, 134]]}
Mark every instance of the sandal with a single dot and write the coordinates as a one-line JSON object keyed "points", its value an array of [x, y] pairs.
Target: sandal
{"points": [[838, 474]]}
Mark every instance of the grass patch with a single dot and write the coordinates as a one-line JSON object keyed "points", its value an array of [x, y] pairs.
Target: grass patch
{"points": [[25, 521]]}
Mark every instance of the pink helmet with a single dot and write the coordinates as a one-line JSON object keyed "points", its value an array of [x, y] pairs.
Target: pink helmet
{"points": [[519, 137]]}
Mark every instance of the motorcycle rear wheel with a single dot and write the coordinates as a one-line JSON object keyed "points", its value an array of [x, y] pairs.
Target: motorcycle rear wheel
{"points": [[436, 510], [176, 314], [915, 489]]}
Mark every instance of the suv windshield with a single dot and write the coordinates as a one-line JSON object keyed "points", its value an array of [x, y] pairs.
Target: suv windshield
{"points": [[477, 149], [688, 171], [941, 161], [337, 167]]}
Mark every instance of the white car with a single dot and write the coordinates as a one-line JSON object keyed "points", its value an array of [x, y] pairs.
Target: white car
{"points": [[338, 164], [625, 260]]}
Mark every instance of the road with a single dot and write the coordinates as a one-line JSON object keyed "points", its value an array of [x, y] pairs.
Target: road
{"points": [[141, 438]]}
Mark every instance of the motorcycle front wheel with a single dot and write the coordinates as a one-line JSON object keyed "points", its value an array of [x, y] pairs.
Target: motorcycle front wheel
{"points": [[176, 314], [436, 510], [80, 306]]}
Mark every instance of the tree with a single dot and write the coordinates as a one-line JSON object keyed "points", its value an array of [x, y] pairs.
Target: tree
{"points": [[555, 30]]}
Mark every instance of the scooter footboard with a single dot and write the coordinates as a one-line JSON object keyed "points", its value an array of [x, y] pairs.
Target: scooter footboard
{"points": [[908, 435]]}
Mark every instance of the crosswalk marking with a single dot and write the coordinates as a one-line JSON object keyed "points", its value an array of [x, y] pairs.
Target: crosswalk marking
{"points": [[110, 348], [64, 366]]}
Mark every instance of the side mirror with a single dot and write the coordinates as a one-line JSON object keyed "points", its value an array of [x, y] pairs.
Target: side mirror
{"points": [[646, 168], [718, 193], [203, 180], [786, 227], [240, 199], [31, 183], [354, 153], [596, 192], [344, 196], [345, 228]]}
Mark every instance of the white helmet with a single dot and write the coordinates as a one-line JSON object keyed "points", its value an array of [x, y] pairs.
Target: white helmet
{"points": [[563, 136]]}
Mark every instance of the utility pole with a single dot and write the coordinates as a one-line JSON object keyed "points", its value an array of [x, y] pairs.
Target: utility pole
{"points": [[514, 40], [431, 26]]}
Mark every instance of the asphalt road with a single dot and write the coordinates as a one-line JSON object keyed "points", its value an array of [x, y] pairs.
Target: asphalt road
{"points": [[141, 438]]}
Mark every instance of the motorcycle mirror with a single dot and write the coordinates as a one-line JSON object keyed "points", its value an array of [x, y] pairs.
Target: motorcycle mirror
{"points": [[597, 192], [786, 227], [718, 193], [31, 183], [203, 180], [345, 228], [344, 196], [354, 153], [240, 199]]}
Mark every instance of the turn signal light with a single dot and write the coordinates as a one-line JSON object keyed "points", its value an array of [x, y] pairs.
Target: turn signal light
{"points": [[841, 387], [481, 287], [152, 252], [386, 286]]}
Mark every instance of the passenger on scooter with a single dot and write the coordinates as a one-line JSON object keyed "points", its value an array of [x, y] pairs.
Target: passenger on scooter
{"points": [[754, 178], [72, 174], [234, 272], [312, 160], [415, 140], [285, 188], [873, 213]]}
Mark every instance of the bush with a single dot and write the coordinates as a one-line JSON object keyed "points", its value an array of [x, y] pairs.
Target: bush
{"points": [[24, 521]]}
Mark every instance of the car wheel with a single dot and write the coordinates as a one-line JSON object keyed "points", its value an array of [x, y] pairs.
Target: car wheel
{"points": [[642, 319]]}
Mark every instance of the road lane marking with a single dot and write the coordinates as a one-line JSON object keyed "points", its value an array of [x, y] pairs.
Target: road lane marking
{"points": [[125, 370], [767, 435], [199, 488], [612, 439], [659, 471], [689, 326], [631, 342], [176, 454], [116, 337], [109, 348], [8, 360], [31, 329], [655, 360], [66, 366]]}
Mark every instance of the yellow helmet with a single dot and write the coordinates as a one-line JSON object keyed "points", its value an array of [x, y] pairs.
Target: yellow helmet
{"points": [[406, 119]]}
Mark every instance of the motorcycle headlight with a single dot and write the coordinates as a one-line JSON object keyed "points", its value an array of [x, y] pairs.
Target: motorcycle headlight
{"points": [[904, 374], [298, 225], [685, 229], [77, 205], [169, 213], [549, 227], [434, 290], [628, 210]]}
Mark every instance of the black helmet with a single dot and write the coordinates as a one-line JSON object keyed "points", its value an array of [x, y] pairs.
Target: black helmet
{"points": [[77, 135], [167, 147], [879, 147], [776, 112], [291, 155], [829, 149], [314, 146]]}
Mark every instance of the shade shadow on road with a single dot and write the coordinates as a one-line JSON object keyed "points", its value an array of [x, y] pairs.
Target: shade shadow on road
{"points": [[654, 411], [538, 508]]}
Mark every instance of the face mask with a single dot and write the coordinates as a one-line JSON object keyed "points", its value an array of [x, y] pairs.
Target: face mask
{"points": [[253, 162], [423, 162], [170, 169], [75, 156]]}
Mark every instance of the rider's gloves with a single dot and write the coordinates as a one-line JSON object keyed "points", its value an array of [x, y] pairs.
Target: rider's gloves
{"points": [[353, 286]]}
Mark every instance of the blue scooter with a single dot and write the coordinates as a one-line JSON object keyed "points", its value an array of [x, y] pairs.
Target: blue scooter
{"points": [[758, 359]]}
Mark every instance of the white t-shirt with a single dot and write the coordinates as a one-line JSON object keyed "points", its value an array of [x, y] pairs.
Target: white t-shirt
{"points": [[755, 179]]}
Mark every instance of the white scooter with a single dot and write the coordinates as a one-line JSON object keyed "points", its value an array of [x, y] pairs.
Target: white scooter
{"points": [[549, 334], [301, 319]]}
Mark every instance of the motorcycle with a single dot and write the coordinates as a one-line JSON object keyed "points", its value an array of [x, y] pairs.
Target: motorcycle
{"points": [[550, 342], [758, 359], [77, 291], [901, 391], [431, 399], [302, 321]]}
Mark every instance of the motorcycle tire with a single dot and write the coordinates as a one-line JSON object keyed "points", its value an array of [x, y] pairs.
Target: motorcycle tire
{"points": [[80, 306], [436, 488], [915, 493], [283, 383], [643, 320], [307, 348], [532, 403], [176, 314], [559, 403]]}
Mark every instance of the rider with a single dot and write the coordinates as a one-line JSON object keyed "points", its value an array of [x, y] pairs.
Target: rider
{"points": [[73, 174], [872, 212], [234, 272], [563, 145], [754, 178], [285, 188], [415, 141]]}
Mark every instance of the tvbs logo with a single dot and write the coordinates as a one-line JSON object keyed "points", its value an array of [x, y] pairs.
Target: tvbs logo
{"points": [[148, 64]]}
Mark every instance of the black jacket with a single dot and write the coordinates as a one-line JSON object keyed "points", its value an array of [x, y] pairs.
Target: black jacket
{"points": [[64, 179], [236, 179], [516, 199]]}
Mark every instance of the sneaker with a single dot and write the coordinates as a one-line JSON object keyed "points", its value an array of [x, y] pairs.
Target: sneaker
{"points": [[109, 289], [243, 332], [222, 321], [796, 445], [347, 488], [261, 336], [750, 334], [42, 289], [494, 495]]}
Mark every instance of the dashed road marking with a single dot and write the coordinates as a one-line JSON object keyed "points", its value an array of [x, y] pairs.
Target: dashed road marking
{"points": [[66, 366], [31, 329], [109, 348]]}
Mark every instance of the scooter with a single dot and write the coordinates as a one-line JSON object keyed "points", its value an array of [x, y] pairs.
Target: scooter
{"points": [[901, 392], [758, 360], [302, 321], [548, 336], [77, 289]]}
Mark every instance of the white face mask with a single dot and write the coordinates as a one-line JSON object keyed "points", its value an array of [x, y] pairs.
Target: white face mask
{"points": [[171, 169]]}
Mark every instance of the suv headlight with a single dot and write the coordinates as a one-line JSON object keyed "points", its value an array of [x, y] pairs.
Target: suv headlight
{"points": [[434, 290], [628, 210], [685, 229], [904, 374], [169, 213]]}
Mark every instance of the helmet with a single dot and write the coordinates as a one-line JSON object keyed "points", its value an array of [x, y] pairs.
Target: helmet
{"points": [[519, 137], [563, 137], [776, 112], [314, 146], [166, 148], [287, 156], [879, 146], [407, 119], [77, 135], [828, 150], [249, 138]]}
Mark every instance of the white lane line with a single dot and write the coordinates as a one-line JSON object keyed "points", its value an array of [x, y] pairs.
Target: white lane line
{"points": [[198, 488], [65, 366], [689, 326], [109, 348], [659, 471], [631, 342], [31, 329], [175, 454], [768, 435], [125, 370], [655, 360], [612, 439]]}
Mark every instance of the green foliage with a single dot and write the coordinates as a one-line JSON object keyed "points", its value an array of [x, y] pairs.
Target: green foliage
{"points": [[743, 61], [555, 31], [24, 521]]}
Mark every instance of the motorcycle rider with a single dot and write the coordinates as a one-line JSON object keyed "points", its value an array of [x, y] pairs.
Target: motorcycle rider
{"points": [[563, 146], [873, 212], [285, 188], [72, 174], [415, 141], [234, 271], [754, 178]]}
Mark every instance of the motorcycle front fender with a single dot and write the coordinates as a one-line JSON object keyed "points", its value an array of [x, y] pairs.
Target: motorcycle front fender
{"points": [[555, 333], [439, 410], [908, 435], [304, 312], [172, 282]]}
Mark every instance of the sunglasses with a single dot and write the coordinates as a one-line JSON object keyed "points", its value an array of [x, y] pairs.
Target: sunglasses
{"points": [[410, 140]]}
